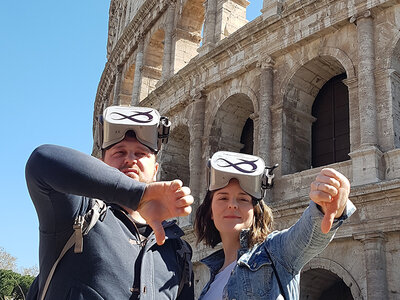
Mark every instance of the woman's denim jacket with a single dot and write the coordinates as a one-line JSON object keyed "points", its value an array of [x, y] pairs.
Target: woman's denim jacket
{"points": [[253, 276]]}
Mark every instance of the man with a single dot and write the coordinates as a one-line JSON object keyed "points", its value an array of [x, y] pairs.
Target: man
{"points": [[129, 252]]}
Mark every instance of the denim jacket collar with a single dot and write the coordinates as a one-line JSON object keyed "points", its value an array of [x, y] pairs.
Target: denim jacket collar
{"points": [[215, 260]]}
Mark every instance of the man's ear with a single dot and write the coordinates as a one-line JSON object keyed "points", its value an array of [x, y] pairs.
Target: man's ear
{"points": [[155, 171]]}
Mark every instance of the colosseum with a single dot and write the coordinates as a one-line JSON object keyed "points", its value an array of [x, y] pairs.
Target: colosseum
{"points": [[305, 84]]}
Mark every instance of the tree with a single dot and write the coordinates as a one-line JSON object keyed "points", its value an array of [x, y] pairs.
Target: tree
{"points": [[32, 271], [22, 286], [7, 283], [7, 261], [14, 285]]}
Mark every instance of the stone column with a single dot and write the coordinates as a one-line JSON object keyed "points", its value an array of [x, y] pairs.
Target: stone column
{"points": [[137, 79], [367, 162], [196, 159], [354, 120], [366, 79], [266, 98], [167, 67], [209, 27], [375, 259], [117, 86]]}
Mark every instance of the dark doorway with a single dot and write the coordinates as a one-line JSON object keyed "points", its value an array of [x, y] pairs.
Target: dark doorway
{"points": [[247, 137], [330, 132], [321, 284]]}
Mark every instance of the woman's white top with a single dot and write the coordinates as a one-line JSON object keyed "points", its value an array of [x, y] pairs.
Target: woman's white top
{"points": [[217, 286]]}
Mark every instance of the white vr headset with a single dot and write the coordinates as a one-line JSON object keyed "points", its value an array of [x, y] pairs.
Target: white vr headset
{"points": [[150, 128], [254, 178]]}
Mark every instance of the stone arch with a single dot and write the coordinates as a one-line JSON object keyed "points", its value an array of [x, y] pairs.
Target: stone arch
{"points": [[152, 64], [337, 54], [227, 122], [335, 269], [297, 99], [228, 92], [236, 89], [188, 32], [342, 58]]}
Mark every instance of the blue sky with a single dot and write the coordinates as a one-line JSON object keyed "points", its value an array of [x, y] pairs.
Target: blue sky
{"points": [[52, 54]]}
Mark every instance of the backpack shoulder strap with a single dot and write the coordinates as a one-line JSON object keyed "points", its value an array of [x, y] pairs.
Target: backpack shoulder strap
{"points": [[82, 225], [184, 254], [276, 274]]}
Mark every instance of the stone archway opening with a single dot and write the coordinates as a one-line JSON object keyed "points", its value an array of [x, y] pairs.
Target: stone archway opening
{"points": [[321, 284], [174, 156], [298, 100], [174, 161], [232, 128], [153, 60], [330, 131], [188, 32]]}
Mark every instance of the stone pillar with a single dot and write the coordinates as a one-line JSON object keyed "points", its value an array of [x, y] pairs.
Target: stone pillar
{"points": [[367, 163], [230, 16], [137, 80], [167, 67], [209, 27], [366, 79], [196, 159], [375, 260], [271, 8], [266, 98], [354, 120], [117, 86]]}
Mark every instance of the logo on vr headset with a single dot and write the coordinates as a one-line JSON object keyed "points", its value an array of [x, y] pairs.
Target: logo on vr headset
{"points": [[134, 116], [244, 162]]}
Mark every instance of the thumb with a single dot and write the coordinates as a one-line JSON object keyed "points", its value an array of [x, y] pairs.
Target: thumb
{"points": [[158, 232], [327, 222]]}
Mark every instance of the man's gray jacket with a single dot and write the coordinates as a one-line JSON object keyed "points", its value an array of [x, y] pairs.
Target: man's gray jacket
{"points": [[62, 182]]}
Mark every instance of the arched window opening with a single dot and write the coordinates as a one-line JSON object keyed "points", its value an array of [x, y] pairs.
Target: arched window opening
{"points": [[330, 131], [247, 137], [174, 161], [230, 130], [174, 156], [321, 284]]}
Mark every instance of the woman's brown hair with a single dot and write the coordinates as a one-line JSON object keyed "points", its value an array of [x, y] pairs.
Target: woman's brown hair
{"points": [[207, 232]]}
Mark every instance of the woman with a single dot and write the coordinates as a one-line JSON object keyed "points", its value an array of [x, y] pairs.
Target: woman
{"points": [[254, 262]]}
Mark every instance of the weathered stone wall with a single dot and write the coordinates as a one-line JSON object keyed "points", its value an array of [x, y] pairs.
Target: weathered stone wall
{"points": [[268, 73]]}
